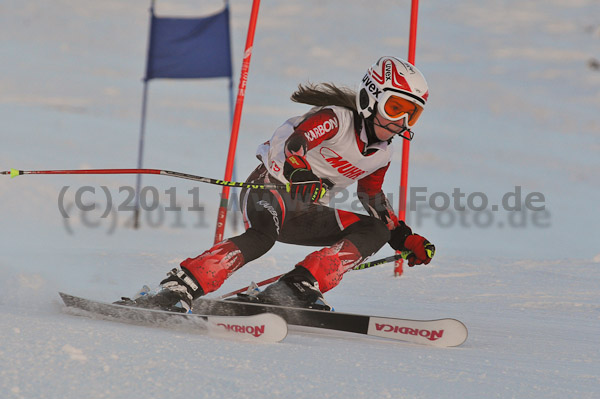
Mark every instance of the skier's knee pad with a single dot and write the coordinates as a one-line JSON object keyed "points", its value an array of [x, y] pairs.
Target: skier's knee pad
{"points": [[212, 267], [329, 264]]}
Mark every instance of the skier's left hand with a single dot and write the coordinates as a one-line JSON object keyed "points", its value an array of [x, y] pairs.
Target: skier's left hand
{"points": [[305, 185], [421, 250]]}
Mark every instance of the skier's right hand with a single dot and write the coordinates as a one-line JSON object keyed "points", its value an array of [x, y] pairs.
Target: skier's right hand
{"points": [[417, 250], [304, 184], [421, 250]]}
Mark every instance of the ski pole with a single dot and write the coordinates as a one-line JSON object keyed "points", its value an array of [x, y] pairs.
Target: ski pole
{"points": [[15, 173], [393, 258], [366, 265]]}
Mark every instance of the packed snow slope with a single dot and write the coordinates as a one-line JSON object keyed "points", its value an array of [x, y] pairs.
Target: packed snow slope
{"points": [[513, 115]]}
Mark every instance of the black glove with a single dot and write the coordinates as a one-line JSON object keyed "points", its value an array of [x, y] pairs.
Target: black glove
{"points": [[398, 236], [305, 185]]}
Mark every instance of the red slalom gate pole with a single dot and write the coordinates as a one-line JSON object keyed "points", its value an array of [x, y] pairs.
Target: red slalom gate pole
{"points": [[235, 127], [412, 44]]}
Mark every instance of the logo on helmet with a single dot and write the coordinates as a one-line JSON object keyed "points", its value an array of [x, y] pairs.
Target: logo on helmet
{"points": [[408, 67], [372, 87], [388, 71], [390, 75]]}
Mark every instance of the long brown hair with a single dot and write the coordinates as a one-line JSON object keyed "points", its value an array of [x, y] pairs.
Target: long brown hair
{"points": [[324, 94]]}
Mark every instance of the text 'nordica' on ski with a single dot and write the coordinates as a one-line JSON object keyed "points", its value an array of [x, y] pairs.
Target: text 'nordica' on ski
{"points": [[441, 333], [259, 327]]}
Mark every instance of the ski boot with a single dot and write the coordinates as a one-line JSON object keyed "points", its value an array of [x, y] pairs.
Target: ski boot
{"points": [[297, 288], [177, 293]]}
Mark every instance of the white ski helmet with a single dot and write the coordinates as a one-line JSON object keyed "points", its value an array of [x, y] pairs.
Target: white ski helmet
{"points": [[396, 88]]}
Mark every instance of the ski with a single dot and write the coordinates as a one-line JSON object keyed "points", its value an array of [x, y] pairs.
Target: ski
{"points": [[259, 326], [441, 333]]}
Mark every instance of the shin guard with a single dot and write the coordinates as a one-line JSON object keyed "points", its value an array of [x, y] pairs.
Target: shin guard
{"points": [[212, 267], [328, 265]]}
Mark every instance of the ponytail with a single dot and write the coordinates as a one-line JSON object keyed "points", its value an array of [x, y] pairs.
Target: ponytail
{"points": [[324, 94]]}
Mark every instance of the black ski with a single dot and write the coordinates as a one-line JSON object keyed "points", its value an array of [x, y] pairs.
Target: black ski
{"points": [[442, 332]]}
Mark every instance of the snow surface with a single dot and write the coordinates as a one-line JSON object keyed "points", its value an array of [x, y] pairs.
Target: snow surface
{"points": [[514, 102]]}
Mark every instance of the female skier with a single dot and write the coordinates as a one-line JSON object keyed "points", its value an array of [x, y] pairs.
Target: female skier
{"points": [[345, 138]]}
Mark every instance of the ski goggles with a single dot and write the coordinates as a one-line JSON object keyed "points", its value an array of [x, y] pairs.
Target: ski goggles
{"points": [[395, 108]]}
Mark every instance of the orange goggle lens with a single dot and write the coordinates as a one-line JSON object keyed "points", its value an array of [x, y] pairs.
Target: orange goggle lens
{"points": [[396, 107]]}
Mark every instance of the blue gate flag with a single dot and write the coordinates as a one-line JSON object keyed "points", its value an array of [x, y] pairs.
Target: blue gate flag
{"points": [[188, 48]]}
